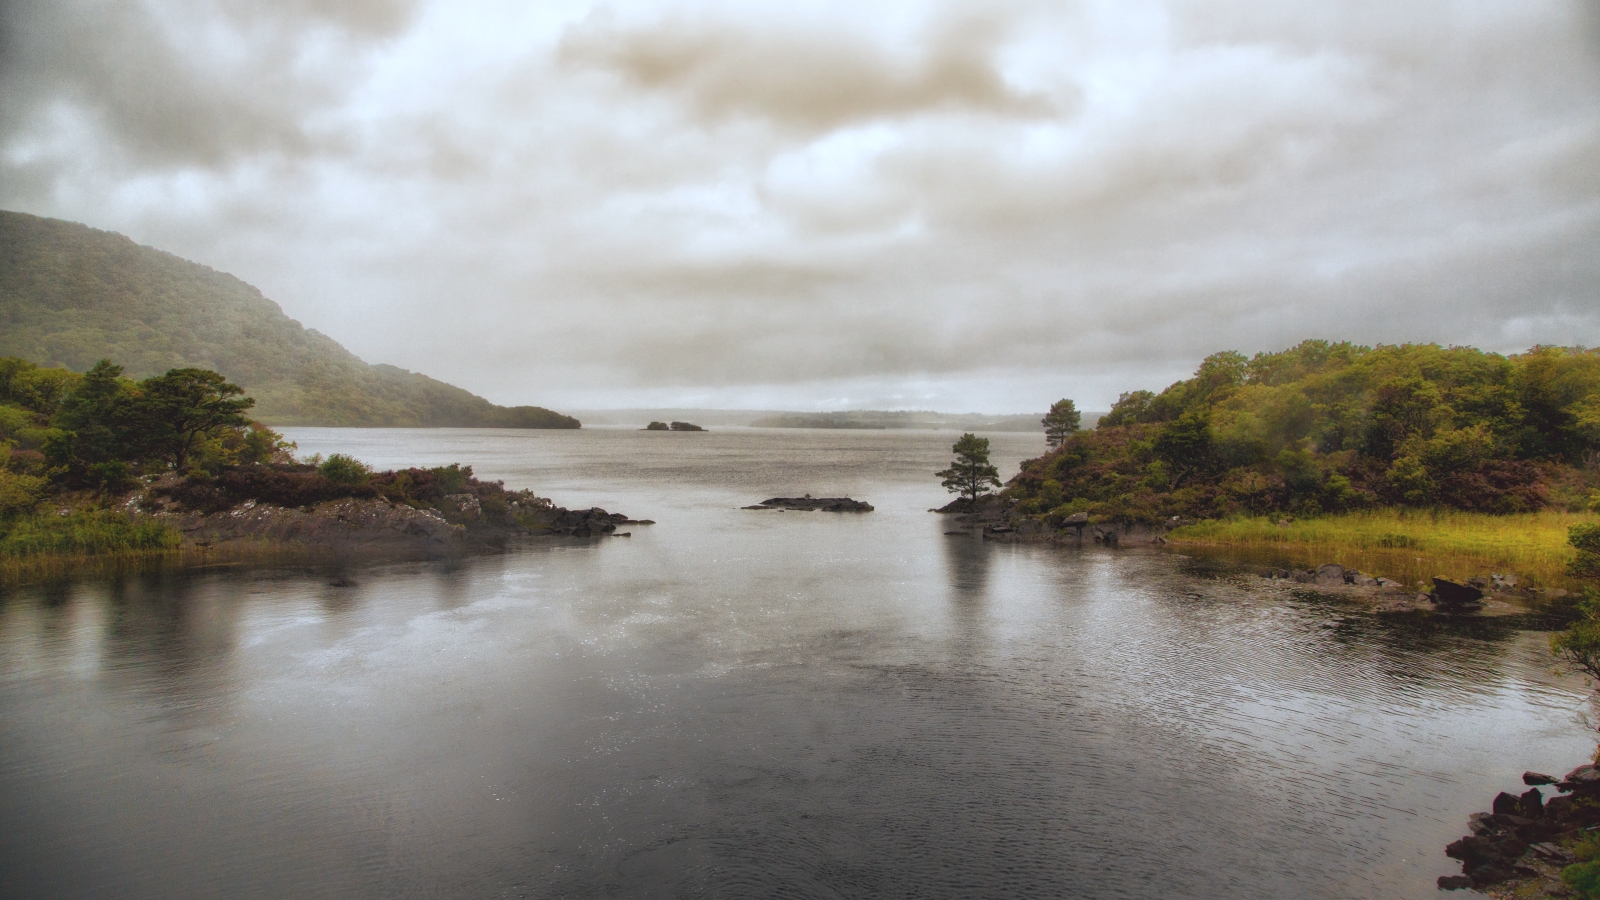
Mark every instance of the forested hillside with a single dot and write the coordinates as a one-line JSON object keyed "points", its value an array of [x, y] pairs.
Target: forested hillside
{"points": [[1327, 427], [71, 295]]}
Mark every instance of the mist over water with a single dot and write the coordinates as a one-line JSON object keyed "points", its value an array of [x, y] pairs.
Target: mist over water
{"points": [[734, 703]]}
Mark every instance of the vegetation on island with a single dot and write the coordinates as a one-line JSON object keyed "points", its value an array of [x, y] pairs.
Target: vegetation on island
{"points": [[75, 447], [675, 426], [1343, 447], [71, 295], [1333, 427]]}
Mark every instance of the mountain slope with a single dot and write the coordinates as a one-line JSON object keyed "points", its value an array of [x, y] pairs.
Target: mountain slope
{"points": [[71, 295]]}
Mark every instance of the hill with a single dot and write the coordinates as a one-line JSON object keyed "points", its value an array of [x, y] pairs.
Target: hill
{"points": [[1330, 427], [71, 295], [895, 419]]}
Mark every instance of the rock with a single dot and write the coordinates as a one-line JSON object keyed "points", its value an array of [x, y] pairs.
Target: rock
{"points": [[1075, 520], [1450, 594], [1330, 574], [1360, 580], [1478, 581], [1301, 576], [1553, 853], [1454, 882], [1532, 803], [1507, 804], [461, 508], [1583, 779], [1491, 875], [1389, 584]]}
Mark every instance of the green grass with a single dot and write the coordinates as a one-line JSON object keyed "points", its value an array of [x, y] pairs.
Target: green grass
{"points": [[1405, 545], [87, 533]]}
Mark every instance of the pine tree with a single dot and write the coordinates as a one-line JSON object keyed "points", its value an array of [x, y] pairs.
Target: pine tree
{"points": [[970, 474], [1062, 420]]}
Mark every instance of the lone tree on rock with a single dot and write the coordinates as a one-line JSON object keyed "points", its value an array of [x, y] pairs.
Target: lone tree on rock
{"points": [[970, 474], [1062, 420]]}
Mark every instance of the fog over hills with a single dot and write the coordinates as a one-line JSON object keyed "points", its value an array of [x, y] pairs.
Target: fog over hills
{"points": [[71, 295]]}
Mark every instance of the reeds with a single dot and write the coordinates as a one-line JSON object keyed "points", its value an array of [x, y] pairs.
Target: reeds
{"points": [[1406, 545]]}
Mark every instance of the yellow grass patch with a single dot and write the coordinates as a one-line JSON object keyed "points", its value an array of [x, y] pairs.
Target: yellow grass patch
{"points": [[1406, 545]]}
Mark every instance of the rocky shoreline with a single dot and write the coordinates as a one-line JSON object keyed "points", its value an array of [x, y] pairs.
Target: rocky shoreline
{"points": [[1522, 847]]}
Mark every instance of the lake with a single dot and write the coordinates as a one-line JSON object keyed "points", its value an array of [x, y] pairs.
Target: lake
{"points": [[734, 703]]}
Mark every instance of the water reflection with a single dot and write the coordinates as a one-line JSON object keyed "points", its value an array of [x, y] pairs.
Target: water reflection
{"points": [[788, 705]]}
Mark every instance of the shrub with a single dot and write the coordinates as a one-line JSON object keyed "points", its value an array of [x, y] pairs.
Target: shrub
{"points": [[1583, 878], [345, 470]]}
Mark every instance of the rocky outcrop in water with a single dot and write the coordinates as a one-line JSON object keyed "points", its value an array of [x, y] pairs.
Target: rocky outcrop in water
{"points": [[808, 502], [373, 524]]}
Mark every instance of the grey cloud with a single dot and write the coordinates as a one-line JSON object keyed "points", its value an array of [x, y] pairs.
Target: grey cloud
{"points": [[725, 206], [806, 78], [161, 93]]}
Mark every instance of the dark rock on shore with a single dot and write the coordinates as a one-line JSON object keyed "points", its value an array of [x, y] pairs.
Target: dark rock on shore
{"points": [[1456, 596], [808, 502], [1520, 840]]}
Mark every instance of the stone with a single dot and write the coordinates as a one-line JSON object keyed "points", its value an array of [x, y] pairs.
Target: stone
{"points": [[1551, 852], [1535, 778], [1303, 577], [1507, 804], [1332, 573], [1583, 779], [1532, 803], [1361, 580], [1451, 594], [1454, 882]]}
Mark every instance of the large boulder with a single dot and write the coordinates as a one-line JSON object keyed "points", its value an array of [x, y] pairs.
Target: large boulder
{"points": [[1330, 574], [1452, 595]]}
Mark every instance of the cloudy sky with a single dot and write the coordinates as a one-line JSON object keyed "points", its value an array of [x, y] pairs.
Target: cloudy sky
{"points": [[959, 206]]}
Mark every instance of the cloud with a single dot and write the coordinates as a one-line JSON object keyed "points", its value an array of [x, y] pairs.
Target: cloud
{"points": [[805, 77], [995, 204]]}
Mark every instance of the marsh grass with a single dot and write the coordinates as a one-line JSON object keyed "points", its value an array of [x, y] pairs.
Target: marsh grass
{"points": [[1406, 545], [100, 542]]}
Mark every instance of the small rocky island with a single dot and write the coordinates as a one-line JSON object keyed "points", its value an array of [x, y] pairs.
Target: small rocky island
{"points": [[675, 426], [296, 507], [808, 502]]}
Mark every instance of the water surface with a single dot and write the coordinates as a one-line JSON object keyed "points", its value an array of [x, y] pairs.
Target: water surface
{"points": [[749, 704]]}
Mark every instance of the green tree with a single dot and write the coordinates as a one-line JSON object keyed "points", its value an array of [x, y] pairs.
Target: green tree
{"points": [[95, 420], [970, 474], [1062, 420], [179, 409], [1579, 645], [1131, 407]]}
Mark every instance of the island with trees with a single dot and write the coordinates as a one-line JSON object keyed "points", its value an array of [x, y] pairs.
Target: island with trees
{"points": [[1337, 448], [99, 465]]}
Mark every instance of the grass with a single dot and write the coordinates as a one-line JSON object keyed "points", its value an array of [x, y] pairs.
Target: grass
{"points": [[96, 542], [1405, 545]]}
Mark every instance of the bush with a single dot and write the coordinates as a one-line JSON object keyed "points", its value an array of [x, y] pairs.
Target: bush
{"points": [[19, 493], [1583, 878], [345, 470]]}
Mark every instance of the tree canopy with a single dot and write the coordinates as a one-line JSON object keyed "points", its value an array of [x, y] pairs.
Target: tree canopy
{"points": [[1062, 420], [1329, 426]]}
